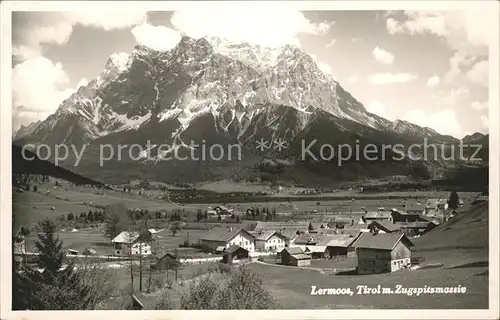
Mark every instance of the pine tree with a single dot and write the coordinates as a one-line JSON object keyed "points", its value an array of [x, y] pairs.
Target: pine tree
{"points": [[55, 287], [454, 201], [49, 247]]}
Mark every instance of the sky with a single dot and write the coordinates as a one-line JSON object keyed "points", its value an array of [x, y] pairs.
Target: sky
{"points": [[426, 67]]}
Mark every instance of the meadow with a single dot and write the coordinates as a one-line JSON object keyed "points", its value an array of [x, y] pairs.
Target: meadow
{"points": [[292, 288]]}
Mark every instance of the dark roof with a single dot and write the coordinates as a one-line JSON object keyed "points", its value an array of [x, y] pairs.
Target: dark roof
{"points": [[403, 213], [293, 250], [168, 255], [223, 234], [387, 226], [381, 241], [233, 249]]}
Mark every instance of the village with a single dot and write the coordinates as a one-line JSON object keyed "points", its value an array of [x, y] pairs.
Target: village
{"points": [[379, 240], [150, 249]]}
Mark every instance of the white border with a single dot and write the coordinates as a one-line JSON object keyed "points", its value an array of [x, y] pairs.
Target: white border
{"points": [[5, 164]]}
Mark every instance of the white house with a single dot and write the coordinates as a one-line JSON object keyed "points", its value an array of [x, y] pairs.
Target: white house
{"points": [[271, 241], [227, 237], [127, 243]]}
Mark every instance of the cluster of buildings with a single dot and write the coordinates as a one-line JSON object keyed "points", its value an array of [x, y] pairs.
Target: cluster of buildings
{"points": [[379, 239]]}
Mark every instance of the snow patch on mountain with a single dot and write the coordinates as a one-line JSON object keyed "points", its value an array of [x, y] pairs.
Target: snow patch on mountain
{"points": [[132, 123]]}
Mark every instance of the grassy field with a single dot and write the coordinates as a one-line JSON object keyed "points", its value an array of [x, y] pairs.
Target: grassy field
{"points": [[94, 237], [292, 288], [460, 246]]}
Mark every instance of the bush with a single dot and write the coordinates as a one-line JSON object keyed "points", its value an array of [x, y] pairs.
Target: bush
{"points": [[246, 290], [201, 295], [165, 301], [243, 290], [224, 268]]}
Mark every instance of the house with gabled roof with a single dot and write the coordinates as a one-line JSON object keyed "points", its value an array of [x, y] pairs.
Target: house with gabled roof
{"points": [[436, 205], [270, 241], [339, 246], [410, 229], [414, 208], [234, 253], [382, 252], [167, 261], [383, 227], [132, 243], [377, 215], [294, 257], [226, 237], [317, 252]]}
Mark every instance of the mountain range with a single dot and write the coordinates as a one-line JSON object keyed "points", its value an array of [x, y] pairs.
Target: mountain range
{"points": [[216, 91]]}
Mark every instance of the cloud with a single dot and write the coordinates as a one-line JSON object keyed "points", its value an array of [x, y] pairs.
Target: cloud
{"points": [[478, 74], [485, 123], [443, 121], [382, 56], [391, 78], [331, 43], [480, 106], [467, 30], [37, 89], [356, 39], [32, 30], [456, 96], [270, 24], [376, 107], [433, 81], [82, 83], [156, 37], [469, 68], [353, 79]]}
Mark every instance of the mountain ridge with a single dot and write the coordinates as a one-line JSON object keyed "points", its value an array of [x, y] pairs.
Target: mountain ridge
{"points": [[197, 91]]}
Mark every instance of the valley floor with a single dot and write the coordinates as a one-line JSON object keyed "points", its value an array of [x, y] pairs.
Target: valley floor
{"points": [[292, 287]]}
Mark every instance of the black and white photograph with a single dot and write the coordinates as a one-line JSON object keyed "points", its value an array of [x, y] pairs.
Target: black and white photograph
{"points": [[323, 159]]}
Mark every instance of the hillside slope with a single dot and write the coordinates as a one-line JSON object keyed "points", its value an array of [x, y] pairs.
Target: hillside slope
{"points": [[467, 230]]}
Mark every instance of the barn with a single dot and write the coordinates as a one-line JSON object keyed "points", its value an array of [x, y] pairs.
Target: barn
{"points": [[167, 262], [317, 252], [339, 247], [294, 257], [233, 253], [382, 252]]}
